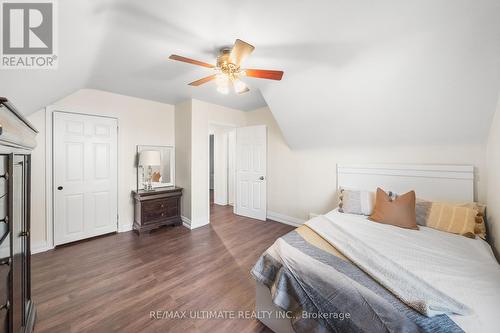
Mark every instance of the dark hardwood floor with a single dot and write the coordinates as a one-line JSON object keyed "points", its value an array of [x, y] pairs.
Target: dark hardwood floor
{"points": [[112, 283]]}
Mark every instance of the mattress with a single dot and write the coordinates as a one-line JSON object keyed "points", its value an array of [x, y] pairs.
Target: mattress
{"points": [[317, 249]]}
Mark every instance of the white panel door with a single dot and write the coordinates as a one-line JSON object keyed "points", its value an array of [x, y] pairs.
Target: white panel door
{"points": [[251, 172], [85, 176]]}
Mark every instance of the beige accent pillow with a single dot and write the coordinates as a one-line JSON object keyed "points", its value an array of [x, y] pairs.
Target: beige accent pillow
{"points": [[448, 217], [399, 212], [356, 201]]}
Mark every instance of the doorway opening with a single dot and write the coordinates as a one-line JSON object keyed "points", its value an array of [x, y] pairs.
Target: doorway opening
{"points": [[238, 169], [211, 167], [222, 143]]}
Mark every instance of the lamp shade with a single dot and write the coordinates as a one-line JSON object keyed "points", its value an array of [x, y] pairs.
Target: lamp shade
{"points": [[149, 158]]}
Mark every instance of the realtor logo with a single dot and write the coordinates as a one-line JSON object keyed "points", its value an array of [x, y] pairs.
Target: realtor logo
{"points": [[28, 34]]}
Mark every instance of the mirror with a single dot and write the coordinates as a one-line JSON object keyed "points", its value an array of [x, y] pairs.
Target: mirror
{"points": [[159, 165]]}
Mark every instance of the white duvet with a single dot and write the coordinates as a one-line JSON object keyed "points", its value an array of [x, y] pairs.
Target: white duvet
{"points": [[463, 271]]}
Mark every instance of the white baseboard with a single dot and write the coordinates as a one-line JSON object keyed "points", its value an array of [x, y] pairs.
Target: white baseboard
{"points": [[40, 247], [203, 223], [124, 227], [186, 222], [44, 246], [190, 225], [281, 218]]}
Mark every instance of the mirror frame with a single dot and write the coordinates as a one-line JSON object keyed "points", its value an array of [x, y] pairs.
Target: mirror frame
{"points": [[140, 148]]}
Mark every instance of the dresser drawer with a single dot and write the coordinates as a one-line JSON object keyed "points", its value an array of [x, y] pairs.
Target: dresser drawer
{"points": [[153, 210]]}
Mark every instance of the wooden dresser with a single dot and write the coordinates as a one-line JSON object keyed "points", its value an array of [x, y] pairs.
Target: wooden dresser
{"points": [[17, 139], [154, 209]]}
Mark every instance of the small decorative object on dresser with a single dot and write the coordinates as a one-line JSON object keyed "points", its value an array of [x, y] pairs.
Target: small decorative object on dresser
{"points": [[147, 160], [157, 208], [17, 139]]}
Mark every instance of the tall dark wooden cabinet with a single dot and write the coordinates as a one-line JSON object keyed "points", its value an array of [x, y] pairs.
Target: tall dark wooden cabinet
{"points": [[17, 139]]}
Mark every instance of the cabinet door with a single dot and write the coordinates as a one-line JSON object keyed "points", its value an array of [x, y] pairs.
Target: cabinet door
{"points": [[19, 240]]}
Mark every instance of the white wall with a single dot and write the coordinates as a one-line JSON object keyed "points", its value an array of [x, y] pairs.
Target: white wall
{"points": [[183, 154], [299, 181], [493, 164], [202, 116], [141, 122], [304, 181], [39, 234]]}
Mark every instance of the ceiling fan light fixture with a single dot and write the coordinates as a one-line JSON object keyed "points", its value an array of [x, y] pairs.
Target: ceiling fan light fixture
{"points": [[222, 82], [221, 79], [228, 71], [223, 89], [239, 86]]}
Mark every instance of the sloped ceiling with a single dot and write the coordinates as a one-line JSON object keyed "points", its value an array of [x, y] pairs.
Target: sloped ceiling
{"points": [[356, 72]]}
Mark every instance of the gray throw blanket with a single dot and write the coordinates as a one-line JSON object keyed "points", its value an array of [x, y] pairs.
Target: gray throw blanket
{"points": [[328, 294]]}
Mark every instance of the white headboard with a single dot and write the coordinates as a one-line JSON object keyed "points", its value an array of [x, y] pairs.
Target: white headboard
{"points": [[436, 182]]}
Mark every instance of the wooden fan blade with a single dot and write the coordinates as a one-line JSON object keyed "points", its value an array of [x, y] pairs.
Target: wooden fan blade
{"points": [[202, 81], [240, 51], [190, 61], [264, 74]]}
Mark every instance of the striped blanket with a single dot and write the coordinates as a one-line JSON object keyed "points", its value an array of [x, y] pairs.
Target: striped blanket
{"points": [[325, 292]]}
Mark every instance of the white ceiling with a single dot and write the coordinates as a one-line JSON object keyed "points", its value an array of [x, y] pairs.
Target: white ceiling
{"points": [[356, 72]]}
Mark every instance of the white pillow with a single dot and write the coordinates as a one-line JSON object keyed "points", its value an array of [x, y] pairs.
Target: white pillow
{"points": [[359, 202]]}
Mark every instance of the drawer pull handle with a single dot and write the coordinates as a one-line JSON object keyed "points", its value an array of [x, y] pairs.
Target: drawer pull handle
{"points": [[6, 261], [6, 306], [162, 205], [5, 220]]}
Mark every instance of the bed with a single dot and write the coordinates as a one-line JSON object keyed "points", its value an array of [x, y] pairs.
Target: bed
{"points": [[379, 277]]}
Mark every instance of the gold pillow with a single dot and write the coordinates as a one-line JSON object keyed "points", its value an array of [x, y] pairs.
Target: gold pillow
{"points": [[399, 212], [453, 218]]}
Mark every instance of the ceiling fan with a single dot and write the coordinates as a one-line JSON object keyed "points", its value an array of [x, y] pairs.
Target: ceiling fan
{"points": [[228, 70]]}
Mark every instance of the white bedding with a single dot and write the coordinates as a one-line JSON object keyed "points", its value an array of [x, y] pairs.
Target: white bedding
{"points": [[463, 269]]}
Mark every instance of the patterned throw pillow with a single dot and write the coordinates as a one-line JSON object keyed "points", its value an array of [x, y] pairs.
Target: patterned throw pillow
{"points": [[448, 217], [356, 201]]}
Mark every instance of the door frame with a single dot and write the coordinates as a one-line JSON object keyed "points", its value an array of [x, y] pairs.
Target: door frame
{"points": [[49, 168], [228, 126]]}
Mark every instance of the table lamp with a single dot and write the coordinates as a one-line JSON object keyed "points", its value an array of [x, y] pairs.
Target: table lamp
{"points": [[147, 159]]}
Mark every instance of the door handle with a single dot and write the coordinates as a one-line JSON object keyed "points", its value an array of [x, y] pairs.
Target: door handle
{"points": [[261, 177], [59, 188]]}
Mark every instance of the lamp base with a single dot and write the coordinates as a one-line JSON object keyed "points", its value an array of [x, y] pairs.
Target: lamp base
{"points": [[148, 187]]}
